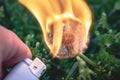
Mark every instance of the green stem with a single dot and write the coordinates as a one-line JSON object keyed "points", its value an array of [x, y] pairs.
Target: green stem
{"points": [[88, 60]]}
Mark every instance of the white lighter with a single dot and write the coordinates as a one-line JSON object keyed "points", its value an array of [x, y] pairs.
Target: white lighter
{"points": [[27, 70]]}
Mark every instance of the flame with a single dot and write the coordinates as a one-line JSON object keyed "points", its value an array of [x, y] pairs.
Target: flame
{"points": [[65, 24]]}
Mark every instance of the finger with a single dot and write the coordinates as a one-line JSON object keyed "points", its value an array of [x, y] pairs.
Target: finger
{"points": [[19, 53], [13, 50]]}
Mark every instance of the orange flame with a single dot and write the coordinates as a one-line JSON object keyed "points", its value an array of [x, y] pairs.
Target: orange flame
{"points": [[65, 24]]}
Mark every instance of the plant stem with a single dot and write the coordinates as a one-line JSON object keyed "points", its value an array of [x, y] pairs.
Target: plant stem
{"points": [[88, 60]]}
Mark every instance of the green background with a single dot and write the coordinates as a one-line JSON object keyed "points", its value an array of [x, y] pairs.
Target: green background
{"points": [[103, 53]]}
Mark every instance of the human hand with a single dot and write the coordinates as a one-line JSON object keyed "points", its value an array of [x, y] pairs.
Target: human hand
{"points": [[12, 49]]}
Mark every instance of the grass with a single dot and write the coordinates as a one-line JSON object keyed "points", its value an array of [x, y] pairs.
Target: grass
{"points": [[104, 46]]}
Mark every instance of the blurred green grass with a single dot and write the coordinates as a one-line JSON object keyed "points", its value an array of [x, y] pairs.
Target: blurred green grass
{"points": [[104, 46]]}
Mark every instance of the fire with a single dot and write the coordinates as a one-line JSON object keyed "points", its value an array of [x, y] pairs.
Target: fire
{"points": [[65, 24]]}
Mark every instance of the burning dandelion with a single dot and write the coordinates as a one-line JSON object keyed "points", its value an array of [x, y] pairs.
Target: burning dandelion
{"points": [[65, 24]]}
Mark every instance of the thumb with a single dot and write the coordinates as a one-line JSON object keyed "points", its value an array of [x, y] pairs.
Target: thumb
{"points": [[12, 49]]}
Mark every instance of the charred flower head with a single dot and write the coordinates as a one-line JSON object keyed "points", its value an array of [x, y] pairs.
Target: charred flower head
{"points": [[65, 24]]}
